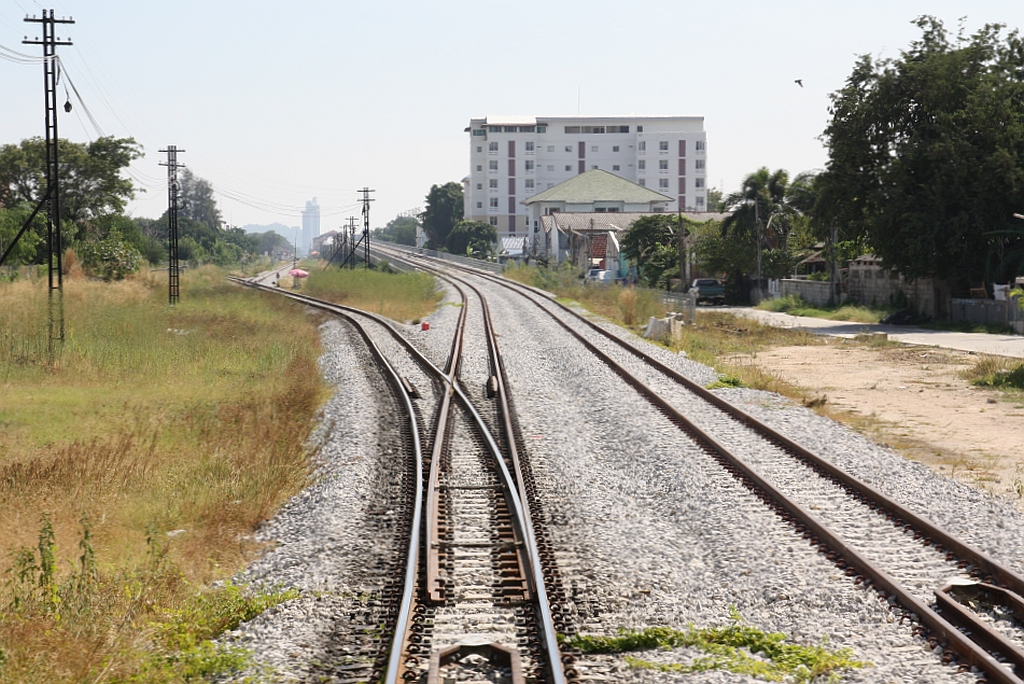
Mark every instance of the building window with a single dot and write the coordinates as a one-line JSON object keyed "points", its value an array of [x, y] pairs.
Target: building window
{"points": [[551, 167], [593, 148], [529, 147], [593, 129], [542, 129], [698, 182], [551, 148], [479, 205], [479, 167], [527, 129], [493, 165], [700, 202], [615, 148], [639, 129], [698, 164], [494, 220], [479, 148], [594, 166], [492, 146], [479, 131], [494, 203], [568, 167], [699, 145], [663, 146], [642, 164], [510, 129], [572, 129], [479, 186], [663, 182], [494, 184], [642, 182], [529, 165], [662, 164], [568, 148], [529, 183], [615, 167], [642, 145]]}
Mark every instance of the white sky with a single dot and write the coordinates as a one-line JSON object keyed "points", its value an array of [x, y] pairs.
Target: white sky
{"points": [[276, 103]]}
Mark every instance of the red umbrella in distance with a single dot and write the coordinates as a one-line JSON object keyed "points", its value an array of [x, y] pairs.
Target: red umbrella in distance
{"points": [[298, 273]]}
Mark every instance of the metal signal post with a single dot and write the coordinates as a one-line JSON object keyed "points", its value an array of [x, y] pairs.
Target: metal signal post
{"points": [[172, 222]]}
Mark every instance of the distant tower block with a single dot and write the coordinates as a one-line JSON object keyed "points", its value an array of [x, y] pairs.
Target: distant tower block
{"points": [[310, 226]]}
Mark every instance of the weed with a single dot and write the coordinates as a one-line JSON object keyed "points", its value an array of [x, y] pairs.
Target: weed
{"points": [[738, 648], [726, 381]]}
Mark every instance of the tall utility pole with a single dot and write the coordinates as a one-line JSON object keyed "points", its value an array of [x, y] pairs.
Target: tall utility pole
{"points": [[365, 199], [172, 222], [54, 244], [51, 68]]}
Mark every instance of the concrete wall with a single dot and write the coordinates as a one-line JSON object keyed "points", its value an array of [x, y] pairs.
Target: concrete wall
{"points": [[814, 292], [988, 312], [870, 284]]}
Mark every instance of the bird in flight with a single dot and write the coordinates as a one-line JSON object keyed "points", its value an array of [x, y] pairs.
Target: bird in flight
{"points": [[799, 82]]}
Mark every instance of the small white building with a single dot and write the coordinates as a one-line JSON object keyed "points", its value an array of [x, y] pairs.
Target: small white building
{"points": [[514, 158]]}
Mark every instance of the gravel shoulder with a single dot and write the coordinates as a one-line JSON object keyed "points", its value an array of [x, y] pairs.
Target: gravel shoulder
{"points": [[914, 399]]}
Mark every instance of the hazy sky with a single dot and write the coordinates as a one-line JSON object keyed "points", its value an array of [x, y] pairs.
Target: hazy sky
{"points": [[276, 103]]}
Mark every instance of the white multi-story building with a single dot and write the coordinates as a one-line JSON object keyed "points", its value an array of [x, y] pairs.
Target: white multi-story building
{"points": [[514, 158]]}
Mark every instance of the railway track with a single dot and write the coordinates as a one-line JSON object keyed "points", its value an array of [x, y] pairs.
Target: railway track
{"points": [[474, 602], [968, 604]]}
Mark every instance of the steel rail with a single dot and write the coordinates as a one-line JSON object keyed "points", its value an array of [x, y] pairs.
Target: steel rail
{"points": [[395, 379], [968, 648], [959, 642], [521, 523]]}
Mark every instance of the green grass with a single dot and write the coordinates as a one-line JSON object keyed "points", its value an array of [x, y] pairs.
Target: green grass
{"points": [[147, 420], [401, 297], [738, 648], [794, 305]]}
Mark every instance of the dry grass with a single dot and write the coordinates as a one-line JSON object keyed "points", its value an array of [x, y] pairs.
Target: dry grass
{"points": [[171, 431], [628, 306], [401, 297]]}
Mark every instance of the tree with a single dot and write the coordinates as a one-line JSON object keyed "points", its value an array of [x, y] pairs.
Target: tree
{"points": [[715, 200], [31, 243], [926, 155], [111, 258], [475, 236], [90, 184], [444, 210], [196, 202], [762, 217], [401, 229]]}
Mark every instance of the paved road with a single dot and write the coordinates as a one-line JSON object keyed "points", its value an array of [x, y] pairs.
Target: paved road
{"points": [[1002, 345]]}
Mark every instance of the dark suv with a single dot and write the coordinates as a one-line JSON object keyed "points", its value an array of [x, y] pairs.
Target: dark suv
{"points": [[708, 290]]}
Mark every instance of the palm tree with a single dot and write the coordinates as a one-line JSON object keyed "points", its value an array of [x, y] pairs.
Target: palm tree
{"points": [[760, 212]]}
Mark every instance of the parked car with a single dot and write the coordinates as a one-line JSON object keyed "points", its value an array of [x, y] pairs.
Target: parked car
{"points": [[708, 290], [599, 275]]}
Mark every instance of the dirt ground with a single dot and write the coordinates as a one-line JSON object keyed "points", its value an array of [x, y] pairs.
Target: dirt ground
{"points": [[913, 399]]}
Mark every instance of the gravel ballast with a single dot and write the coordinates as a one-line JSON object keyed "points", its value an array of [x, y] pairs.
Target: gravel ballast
{"points": [[649, 530]]}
